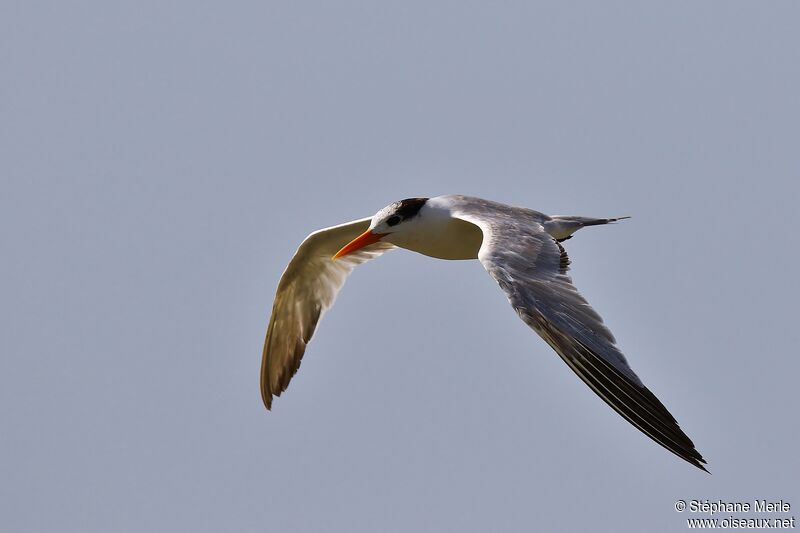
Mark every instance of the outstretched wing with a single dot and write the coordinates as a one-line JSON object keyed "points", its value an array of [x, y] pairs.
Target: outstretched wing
{"points": [[531, 268], [307, 289]]}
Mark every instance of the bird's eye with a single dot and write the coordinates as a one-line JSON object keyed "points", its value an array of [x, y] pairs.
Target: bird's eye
{"points": [[393, 220]]}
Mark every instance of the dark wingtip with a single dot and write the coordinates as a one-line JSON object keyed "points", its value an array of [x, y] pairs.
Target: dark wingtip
{"points": [[700, 463], [266, 396]]}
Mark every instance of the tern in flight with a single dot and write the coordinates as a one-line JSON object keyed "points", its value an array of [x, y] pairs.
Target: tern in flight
{"points": [[520, 248]]}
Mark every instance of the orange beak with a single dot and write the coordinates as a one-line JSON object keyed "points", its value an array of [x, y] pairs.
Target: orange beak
{"points": [[365, 239]]}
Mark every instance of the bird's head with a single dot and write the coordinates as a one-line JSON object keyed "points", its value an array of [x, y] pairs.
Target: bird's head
{"points": [[395, 218]]}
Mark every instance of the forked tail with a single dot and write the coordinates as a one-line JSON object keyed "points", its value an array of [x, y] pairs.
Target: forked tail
{"points": [[562, 227]]}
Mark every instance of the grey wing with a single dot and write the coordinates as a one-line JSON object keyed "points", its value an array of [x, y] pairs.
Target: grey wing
{"points": [[530, 267], [308, 287]]}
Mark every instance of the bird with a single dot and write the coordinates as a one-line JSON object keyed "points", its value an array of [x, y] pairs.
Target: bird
{"points": [[520, 248]]}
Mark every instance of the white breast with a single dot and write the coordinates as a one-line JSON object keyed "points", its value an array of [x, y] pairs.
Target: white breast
{"points": [[436, 234]]}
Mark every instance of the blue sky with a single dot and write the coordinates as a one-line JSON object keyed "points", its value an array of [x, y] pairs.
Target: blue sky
{"points": [[162, 161]]}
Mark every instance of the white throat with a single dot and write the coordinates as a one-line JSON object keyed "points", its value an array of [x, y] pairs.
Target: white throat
{"points": [[435, 233]]}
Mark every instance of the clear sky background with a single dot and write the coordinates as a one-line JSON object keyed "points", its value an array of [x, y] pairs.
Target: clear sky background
{"points": [[161, 161]]}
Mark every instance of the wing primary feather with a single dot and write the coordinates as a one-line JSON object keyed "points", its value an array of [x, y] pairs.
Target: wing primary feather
{"points": [[308, 287], [530, 266], [642, 408]]}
